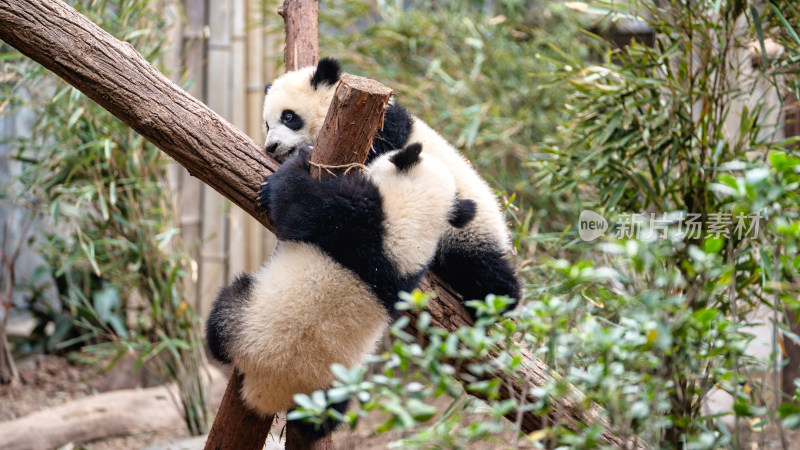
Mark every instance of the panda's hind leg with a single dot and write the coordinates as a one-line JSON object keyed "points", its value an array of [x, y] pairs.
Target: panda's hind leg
{"points": [[312, 432], [476, 272], [225, 313]]}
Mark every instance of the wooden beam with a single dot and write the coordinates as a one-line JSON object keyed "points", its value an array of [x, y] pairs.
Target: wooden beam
{"points": [[236, 426], [356, 112]]}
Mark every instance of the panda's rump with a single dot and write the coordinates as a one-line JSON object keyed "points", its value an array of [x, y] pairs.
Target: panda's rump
{"points": [[306, 313]]}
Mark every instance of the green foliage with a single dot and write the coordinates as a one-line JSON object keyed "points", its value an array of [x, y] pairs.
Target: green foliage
{"points": [[111, 239], [679, 129], [646, 325]]}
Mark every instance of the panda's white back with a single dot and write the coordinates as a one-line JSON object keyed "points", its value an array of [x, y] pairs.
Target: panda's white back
{"points": [[488, 225]]}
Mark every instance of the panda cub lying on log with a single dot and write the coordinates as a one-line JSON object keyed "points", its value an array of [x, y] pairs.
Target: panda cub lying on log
{"points": [[346, 247]]}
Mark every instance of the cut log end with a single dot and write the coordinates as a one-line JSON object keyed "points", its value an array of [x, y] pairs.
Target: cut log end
{"points": [[366, 85]]}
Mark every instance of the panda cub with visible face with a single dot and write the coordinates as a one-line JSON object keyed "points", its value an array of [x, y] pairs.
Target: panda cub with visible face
{"points": [[346, 247], [473, 259]]}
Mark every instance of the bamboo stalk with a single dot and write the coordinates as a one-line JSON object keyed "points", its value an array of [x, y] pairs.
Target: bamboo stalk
{"points": [[215, 226], [272, 45], [237, 219], [252, 232]]}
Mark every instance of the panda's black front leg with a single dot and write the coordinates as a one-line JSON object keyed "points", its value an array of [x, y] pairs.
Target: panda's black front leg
{"points": [[278, 187], [292, 198]]}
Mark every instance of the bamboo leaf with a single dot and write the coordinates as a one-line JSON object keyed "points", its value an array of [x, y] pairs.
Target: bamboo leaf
{"points": [[787, 26], [760, 33]]}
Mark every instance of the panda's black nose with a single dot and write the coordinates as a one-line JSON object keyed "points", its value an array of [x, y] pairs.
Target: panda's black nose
{"points": [[271, 148]]}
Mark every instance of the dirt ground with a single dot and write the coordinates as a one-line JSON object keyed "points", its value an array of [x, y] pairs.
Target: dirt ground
{"points": [[48, 381]]}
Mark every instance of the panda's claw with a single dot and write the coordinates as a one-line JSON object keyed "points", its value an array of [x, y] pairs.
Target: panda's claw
{"points": [[263, 195]]}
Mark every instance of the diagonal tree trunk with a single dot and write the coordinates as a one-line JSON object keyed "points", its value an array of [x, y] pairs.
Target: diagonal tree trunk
{"points": [[114, 75]]}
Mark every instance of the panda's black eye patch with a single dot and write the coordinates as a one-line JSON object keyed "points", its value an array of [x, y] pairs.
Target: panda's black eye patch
{"points": [[291, 119]]}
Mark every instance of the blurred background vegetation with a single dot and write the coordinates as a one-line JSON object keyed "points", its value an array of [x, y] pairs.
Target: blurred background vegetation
{"points": [[108, 237], [684, 339]]}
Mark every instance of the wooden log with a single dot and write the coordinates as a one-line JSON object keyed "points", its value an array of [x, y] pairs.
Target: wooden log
{"points": [[236, 426], [302, 35], [114, 75], [355, 114]]}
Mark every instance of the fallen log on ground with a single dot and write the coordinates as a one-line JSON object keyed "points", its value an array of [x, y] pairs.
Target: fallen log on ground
{"points": [[123, 412]]}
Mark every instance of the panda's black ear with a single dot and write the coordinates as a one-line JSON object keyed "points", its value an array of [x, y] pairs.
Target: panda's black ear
{"points": [[407, 158], [462, 213], [266, 88], [328, 72]]}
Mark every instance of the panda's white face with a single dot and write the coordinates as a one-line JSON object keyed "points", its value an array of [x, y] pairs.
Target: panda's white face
{"points": [[294, 112]]}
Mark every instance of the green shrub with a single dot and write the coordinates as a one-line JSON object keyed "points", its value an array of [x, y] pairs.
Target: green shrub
{"points": [[646, 324]]}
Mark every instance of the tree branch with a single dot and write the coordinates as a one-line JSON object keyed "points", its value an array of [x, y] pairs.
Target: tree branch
{"points": [[114, 75], [302, 42], [120, 80]]}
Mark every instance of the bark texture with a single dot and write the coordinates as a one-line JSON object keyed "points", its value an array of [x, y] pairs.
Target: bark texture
{"points": [[236, 426], [355, 113], [114, 75], [302, 35]]}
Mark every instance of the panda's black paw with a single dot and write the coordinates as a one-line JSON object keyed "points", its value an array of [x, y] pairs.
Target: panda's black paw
{"points": [[284, 181], [301, 160]]}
